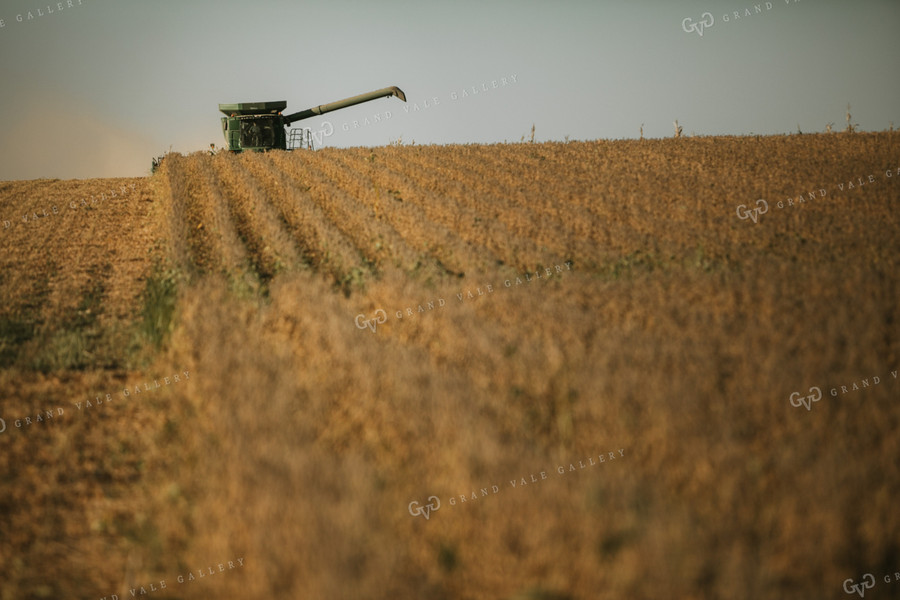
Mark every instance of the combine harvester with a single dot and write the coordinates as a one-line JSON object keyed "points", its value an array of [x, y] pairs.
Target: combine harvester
{"points": [[260, 126]]}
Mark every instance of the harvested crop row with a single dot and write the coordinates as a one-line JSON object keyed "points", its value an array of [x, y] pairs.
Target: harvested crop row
{"points": [[63, 318], [87, 250], [25, 276], [130, 264]]}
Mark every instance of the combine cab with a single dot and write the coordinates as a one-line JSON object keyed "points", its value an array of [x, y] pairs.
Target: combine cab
{"points": [[260, 126]]}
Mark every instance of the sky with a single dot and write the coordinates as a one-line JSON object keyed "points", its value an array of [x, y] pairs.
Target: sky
{"points": [[99, 88]]}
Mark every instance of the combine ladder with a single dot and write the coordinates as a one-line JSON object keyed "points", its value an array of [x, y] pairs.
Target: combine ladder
{"points": [[299, 137]]}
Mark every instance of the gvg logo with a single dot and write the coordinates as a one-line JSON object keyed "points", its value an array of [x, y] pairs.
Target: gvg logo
{"points": [[762, 207], [425, 511], [375, 321], [797, 400], [868, 582], [706, 20]]}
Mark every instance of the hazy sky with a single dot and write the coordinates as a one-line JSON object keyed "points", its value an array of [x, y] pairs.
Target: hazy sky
{"points": [[98, 89]]}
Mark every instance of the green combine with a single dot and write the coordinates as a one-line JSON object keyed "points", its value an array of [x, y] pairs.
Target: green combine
{"points": [[260, 126]]}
